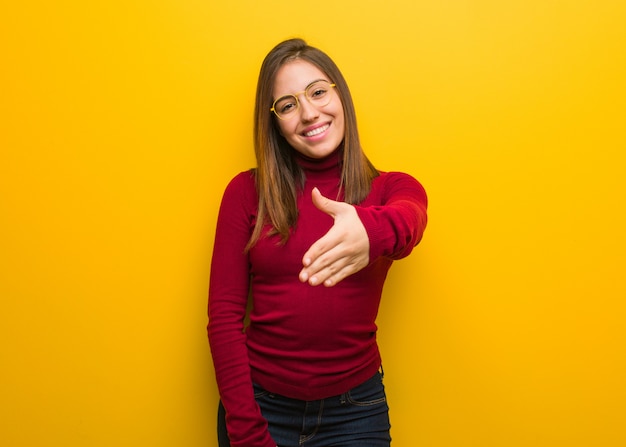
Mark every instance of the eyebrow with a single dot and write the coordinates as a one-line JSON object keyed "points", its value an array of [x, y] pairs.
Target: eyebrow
{"points": [[317, 80], [305, 88]]}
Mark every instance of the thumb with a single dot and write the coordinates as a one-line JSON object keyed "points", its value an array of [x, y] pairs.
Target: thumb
{"points": [[324, 204]]}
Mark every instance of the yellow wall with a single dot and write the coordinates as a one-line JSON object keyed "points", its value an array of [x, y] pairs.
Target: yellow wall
{"points": [[122, 121]]}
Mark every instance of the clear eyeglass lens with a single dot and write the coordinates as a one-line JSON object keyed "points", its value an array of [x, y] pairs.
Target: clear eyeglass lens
{"points": [[318, 94], [285, 106]]}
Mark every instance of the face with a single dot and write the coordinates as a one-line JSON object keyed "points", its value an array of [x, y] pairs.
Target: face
{"points": [[313, 131]]}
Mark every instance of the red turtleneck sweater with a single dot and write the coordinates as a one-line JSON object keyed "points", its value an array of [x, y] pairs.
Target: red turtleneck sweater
{"points": [[302, 341]]}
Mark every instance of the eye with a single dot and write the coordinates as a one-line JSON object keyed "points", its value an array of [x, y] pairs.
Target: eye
{"points": [[317, 92], [286, 105]]}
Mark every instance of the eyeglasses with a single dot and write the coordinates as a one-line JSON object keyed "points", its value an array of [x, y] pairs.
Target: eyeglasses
{"points": [[317, 93]]}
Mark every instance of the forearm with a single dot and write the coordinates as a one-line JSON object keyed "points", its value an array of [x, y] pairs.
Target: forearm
{"points": [[228, 297], [396, 225]]}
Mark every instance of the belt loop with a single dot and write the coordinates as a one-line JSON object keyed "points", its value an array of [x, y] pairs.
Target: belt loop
{"points": [[382, 371]]}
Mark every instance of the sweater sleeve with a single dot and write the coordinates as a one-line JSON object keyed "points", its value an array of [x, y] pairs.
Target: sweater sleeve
{"points": [[395, 222], [228, 298]]}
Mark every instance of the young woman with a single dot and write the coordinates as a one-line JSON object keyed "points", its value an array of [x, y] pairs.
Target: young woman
{"points": [[308, 236]]}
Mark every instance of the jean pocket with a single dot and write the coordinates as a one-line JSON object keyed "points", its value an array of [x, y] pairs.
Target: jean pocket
{"points": [[259, 392], [371, 392]]}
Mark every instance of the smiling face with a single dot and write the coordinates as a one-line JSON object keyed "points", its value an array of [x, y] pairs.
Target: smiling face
{"points": [[313, 131]]}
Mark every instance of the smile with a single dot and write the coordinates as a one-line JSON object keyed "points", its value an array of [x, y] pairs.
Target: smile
{"points": [[317, 131]]}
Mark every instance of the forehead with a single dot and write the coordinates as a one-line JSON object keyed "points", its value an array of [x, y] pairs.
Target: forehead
{"points": [[295, 76]]}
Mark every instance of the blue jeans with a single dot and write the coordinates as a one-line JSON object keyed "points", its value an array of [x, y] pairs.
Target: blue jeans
{"points": [[357, 418]]}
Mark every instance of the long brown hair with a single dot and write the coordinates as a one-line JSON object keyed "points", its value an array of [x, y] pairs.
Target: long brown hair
{"points": [[277, 174]]}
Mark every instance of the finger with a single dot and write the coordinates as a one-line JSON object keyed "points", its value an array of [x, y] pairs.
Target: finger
{"points": [[322, 203], [345, 265], [329, 278], [319, 248], [324, 266], [335, 279], [330, 274], [335, 267], [331, 240]]}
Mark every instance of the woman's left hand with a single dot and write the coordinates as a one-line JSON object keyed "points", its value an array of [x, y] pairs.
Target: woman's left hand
{"points": [[342, 251]]}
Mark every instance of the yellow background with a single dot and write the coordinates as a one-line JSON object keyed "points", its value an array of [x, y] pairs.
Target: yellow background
{"points": [[122, 121]]}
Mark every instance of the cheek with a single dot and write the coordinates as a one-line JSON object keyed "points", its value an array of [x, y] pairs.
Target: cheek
{"points": [[283, 128], [339, 114], [342, 121]]}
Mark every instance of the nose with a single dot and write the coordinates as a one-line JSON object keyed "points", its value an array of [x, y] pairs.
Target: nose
{"points": [[308, 112]]}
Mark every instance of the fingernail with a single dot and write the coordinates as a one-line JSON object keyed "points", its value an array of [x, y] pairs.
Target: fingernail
{"points": [[303, 276], [313, 281]]}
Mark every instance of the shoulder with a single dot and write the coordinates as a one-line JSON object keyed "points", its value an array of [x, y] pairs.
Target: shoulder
{"points": [[245, 179], [242, 188], [242, 183], [394, 176], [394, 181]]}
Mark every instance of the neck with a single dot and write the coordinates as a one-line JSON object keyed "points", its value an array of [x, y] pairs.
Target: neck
{"points": [[330, 162]]}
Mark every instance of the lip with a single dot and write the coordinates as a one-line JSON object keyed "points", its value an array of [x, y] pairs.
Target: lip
{"points": [[306, 132]]}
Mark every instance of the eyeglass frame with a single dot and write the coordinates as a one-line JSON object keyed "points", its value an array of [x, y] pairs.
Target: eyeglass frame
{"points": [[295, 95]]}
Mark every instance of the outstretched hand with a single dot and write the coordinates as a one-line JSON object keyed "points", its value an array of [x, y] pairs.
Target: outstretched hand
{"points": [[342, 251]]}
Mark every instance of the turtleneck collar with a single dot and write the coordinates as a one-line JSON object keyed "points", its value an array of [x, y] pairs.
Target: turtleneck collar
{"points": [[331, 162]]}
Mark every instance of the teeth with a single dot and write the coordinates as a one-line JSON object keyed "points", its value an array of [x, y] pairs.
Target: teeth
{"points": [[317, 131]]}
